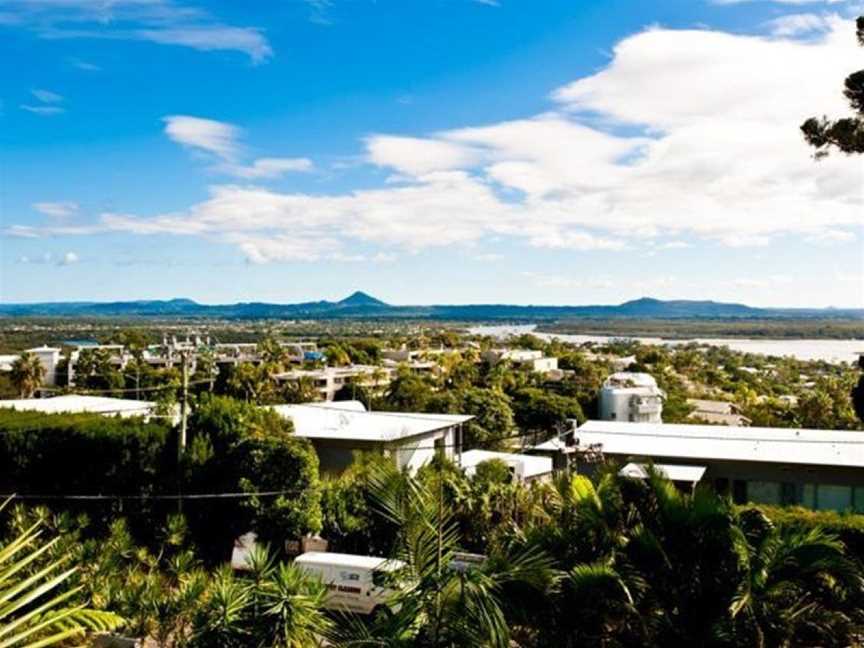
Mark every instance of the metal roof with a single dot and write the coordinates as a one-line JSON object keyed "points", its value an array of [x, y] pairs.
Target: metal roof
{"points": [[326, 421], [706, 442], [674, 472], [77, 404]]}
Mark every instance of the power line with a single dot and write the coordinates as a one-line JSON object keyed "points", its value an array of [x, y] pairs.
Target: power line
{"points": [[191, 496]]}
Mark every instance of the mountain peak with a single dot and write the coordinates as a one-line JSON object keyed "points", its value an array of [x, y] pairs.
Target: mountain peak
{"points": [[360, 298]]}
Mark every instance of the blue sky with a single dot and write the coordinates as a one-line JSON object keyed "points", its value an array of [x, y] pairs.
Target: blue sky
{"points": [[426, 152]]}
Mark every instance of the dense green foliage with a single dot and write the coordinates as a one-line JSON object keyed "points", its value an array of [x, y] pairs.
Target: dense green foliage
{"points": [[233, 448]]}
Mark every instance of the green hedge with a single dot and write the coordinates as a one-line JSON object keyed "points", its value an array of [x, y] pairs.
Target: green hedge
{"points": [[849, 527]]}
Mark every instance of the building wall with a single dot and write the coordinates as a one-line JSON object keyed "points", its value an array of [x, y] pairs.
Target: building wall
{"points": [[335, 455], [624, 405], [817, 487]]}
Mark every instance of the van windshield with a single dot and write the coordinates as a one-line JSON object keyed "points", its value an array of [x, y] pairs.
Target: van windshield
{"points": [[381, 578]]}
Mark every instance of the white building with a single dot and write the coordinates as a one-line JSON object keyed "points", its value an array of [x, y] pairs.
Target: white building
{"points": [[819, 469], [522, 358], [50, 358], [338, 430], [329, 380], [717, 412], [632, 397], [80, 404], [523, 467]]}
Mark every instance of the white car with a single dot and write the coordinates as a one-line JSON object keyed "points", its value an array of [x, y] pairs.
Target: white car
{"points": [[358, 584]]}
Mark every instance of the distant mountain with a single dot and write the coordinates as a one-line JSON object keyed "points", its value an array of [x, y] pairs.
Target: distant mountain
{"points": [[361, 299], [361, 305]]}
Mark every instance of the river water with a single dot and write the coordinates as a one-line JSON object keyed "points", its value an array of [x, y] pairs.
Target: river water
{"points": [[834, 351]]}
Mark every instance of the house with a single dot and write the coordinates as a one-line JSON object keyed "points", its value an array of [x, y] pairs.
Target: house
{"points": [[523, 467], [819, 469], [717, 412], [338, 430], [49, 357], [522, 358], [81, 404], [633, 397], [329, 380]]}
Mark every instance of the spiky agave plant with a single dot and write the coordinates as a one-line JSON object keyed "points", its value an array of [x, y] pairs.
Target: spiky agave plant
{"points": [[36, 609]]}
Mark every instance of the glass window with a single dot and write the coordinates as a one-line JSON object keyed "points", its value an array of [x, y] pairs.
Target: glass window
{"points": [[763, 492], [349, 576], [833, 498], [858, 497], [808, 496]]}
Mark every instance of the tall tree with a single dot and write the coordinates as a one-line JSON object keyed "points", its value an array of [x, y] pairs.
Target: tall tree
{"points": [[847, 133], [27, 374]]}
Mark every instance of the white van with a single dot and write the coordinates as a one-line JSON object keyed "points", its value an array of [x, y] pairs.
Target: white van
{"points": [[356, 583]]}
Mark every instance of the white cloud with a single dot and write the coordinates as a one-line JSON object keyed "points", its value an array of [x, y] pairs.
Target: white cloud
{"points": [[416, 156], [489, 257], [685, 135], [84, 65], [208, 135], [68, 259], [832, 237], [45, 111], [213, 37], [220, 139], [165, 22], [270, 167], [797, 24], [46, 96], [57, 209]]}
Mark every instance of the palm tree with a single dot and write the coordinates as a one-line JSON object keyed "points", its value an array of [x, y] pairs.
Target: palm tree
{"points": [[278, 606], [440, 602], [35, 610], [794, 583], [27, 375]]}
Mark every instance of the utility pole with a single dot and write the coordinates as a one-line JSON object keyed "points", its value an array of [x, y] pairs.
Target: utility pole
{"points": [[184, 406], [184, 415]]}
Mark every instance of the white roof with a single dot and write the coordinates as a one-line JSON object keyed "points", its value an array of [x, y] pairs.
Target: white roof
{"points": [[705, 442], [6, 362], [674, 472], [532, 465], [323, 421], [348, 560], [348, 405], [77, 403]]}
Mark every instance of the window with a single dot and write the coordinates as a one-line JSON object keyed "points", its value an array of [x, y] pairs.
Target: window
{"points": [[828, 497], [833, 498], [858, 499], [349, 576], [764, 492]]}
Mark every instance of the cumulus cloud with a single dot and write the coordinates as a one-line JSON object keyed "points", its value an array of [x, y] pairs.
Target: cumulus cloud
{"points": [[206, 135], [685, 135], [221, 140]]}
